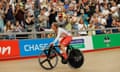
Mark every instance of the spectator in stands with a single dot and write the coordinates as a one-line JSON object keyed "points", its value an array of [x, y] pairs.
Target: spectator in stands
{"points": [[97, 23], [66, 5], [74, 21], [92, 6], [96, 14], [91, 28], [43, 3], [109, 20], [21, 3], [52, 16], [115, 24], [19, 12], [105, 10], [102, 20], [60, 19], [68, 23], [81, 27], [88, 11], [114, 9], [80, 5], [84, 17], [29, 22], [118, 24], [29, 6], [9, 28], [119, 12], [9, 13], [70, 11], [43, 19], [1, 17], [18, 27]]}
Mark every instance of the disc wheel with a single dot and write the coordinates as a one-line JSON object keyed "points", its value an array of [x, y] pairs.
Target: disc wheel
{"points": [[48, 61], [76, 58]]}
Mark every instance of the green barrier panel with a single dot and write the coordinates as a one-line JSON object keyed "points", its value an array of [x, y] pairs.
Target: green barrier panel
{"points": [[106, 41]]}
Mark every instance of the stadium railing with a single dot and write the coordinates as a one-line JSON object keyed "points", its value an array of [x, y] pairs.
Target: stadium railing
{"points": [[44, 34]]}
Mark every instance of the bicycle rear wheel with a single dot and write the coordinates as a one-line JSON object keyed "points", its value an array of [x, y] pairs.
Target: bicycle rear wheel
{"points": [[48, 60], [76, 58]]}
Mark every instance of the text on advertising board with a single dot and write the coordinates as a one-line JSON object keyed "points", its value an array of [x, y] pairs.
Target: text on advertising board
{"points": [[9, 48]]}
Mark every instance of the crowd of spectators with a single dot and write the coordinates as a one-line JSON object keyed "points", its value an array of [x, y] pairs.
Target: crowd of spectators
{"points": [[26, 15]]}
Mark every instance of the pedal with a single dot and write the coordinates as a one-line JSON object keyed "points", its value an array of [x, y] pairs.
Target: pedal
{"points": [[64, 61]]}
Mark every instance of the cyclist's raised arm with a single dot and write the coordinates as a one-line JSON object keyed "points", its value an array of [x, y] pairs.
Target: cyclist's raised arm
{"points": [[58, 36]]}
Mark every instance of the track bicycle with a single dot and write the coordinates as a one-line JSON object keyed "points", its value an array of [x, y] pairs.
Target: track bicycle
{"points": [[48, 58]]}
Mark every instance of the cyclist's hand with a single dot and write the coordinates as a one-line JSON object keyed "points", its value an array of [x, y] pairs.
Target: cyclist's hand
{"points": [[51, 45]]}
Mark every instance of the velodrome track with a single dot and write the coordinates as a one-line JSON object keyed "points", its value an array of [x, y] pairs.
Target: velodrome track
{"points": [[99, 61]]}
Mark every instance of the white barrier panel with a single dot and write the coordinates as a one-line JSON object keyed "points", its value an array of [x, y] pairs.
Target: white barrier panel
{"points": [[82, 42]]}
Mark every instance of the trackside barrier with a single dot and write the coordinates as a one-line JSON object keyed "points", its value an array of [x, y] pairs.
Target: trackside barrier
{"points": [[106, 41], [9, 49], [22, 48], [32, 47], [83, 43]]}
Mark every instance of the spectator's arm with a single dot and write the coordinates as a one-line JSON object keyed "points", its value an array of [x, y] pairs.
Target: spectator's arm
{"points": [[84, 27], [16, 11], [5, 29], [32, 19], [22, 9], [87, 18], [6, 10], [13, 8], [105, 24], [47, 18], [40, 18], [2, 12], [47, 1]]}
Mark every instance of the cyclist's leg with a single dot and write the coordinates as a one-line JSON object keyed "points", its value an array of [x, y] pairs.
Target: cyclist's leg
{"points": [[64, 43], [64, 54]]}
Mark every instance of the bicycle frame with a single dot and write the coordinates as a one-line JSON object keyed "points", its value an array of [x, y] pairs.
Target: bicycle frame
{"points": [[69, 47], [55, 48]]}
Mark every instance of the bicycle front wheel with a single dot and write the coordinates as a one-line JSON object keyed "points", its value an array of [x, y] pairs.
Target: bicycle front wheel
{"points": [[48, 59]]}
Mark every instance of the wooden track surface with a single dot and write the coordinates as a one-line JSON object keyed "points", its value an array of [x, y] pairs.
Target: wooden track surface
{"points": [[101, 61]]}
